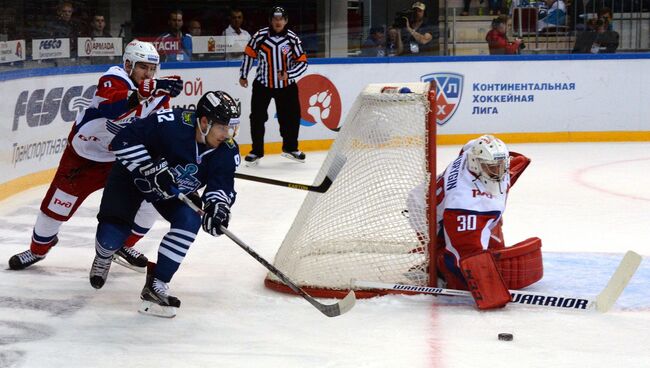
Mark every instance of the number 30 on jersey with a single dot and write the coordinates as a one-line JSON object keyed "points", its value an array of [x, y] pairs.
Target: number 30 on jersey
{"points": [[466, 222]]}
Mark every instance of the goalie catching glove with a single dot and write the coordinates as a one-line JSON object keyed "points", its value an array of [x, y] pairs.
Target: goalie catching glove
{"points": [[161, 181], [171, 86], [216, 214]]}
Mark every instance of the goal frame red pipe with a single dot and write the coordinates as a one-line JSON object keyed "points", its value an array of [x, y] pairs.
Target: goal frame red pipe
{"points": [[430, 148]]}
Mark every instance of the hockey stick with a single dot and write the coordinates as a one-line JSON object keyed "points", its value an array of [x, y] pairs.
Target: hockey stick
{"points": [[602, 303], [333, 172], [321, 188], [333, 310]]}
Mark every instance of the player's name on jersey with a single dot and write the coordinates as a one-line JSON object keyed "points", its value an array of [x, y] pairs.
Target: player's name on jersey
{"points": [[218, 44]]}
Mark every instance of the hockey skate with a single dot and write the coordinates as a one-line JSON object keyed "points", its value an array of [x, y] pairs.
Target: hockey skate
{"points": [[99, 271], [27, 258], [252, 159], [131, 258], [156, 301], [294, 155]]}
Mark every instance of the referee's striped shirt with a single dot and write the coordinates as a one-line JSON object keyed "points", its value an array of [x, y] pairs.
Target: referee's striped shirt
{"points": [[275, 52]]}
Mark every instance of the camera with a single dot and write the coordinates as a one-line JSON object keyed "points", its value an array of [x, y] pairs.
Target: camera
{"points": [[399, 21], [522, 46]]}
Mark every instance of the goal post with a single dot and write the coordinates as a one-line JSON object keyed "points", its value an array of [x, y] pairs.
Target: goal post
{"points": [[360, 227]]}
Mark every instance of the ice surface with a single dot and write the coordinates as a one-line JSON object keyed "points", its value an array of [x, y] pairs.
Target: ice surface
{"points": [[589, 203]]}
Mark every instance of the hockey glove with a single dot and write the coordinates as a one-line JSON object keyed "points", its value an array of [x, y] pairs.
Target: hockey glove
{"points": [[216, 214], [160, 179], [171, 86]]}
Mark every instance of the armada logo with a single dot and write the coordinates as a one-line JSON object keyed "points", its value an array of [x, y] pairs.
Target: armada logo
{"points": [[449, 90], [91, 45], [41, 106]]}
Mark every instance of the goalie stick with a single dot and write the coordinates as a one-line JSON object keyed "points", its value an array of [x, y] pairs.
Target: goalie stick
{"points": [[335, 168], [602, 303], [330, 310]]}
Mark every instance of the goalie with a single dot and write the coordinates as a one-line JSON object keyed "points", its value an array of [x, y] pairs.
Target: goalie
{"points": [[471, 199]]}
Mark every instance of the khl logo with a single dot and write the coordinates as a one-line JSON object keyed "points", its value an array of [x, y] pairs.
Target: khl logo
{"points": [[449, 90]]}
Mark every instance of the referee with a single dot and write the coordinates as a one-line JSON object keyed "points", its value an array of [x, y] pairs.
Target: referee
{"points": [[280, 61]]}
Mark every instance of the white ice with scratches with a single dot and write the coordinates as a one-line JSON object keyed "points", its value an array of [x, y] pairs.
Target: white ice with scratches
{"points": [[588, 202]]}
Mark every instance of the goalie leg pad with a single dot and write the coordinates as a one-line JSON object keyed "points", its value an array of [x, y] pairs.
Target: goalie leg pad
{"points": [[484, 281], [521, 264]]}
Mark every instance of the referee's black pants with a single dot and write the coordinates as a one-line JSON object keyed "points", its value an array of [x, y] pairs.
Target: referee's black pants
{"points": [[287, 105]]}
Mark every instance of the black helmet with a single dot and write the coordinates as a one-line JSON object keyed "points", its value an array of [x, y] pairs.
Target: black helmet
{"points": [[277, 11], [219, 107]]}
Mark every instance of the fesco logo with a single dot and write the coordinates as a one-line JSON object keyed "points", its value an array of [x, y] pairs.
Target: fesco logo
{"points": [[320, 102], [49, 44], [41, 106]]}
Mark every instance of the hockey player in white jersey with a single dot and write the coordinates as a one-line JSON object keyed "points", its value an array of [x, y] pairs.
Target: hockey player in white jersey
{"points": [[471, 200], [123, 94]]}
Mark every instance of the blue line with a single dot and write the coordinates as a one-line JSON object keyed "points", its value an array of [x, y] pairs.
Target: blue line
{"points": [[41, 72]]}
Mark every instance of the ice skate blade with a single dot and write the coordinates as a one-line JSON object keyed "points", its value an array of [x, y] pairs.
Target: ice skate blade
{"points": [[291, 157], [156, 310], [251, 164], [120, 261]]}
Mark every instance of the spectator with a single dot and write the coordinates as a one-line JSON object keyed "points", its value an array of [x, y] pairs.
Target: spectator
{"points": [[184, 53], [375, 44], [418, 34], [195, 27], [98, 26], [498, 41], [606, 15], [236, 35], [394, 45], [61, 26], [555, 16], [279, 53], [466, 5], [597, 39]]}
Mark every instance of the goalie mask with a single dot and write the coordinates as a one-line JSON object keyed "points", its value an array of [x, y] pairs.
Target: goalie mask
{"points": [[219, 108], [140, 52], [489, 160]]}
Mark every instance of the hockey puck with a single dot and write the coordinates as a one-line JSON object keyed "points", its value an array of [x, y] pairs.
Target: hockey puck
{"points": [[505, 336]]}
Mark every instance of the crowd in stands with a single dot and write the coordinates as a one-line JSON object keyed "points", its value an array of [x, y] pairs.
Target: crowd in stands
{"points": [[413, 32]]}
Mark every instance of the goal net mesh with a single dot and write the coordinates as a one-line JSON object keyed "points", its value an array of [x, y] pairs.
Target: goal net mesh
{"points": [[360, 227]]}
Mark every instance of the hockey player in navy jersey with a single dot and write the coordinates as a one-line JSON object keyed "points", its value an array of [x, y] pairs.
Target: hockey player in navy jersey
{"points": [[169, 152], [123, 93]]}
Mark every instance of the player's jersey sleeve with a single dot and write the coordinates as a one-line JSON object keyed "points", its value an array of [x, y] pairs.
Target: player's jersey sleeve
{"points": [[468, 232], [113, 94], [130, 144], [220, 184]]}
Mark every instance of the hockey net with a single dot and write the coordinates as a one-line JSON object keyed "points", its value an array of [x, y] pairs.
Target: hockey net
{"points": [[359, 228]]}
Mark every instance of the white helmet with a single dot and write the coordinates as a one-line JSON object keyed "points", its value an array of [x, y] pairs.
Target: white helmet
{"points": [[488, 158], [140, 51]]}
